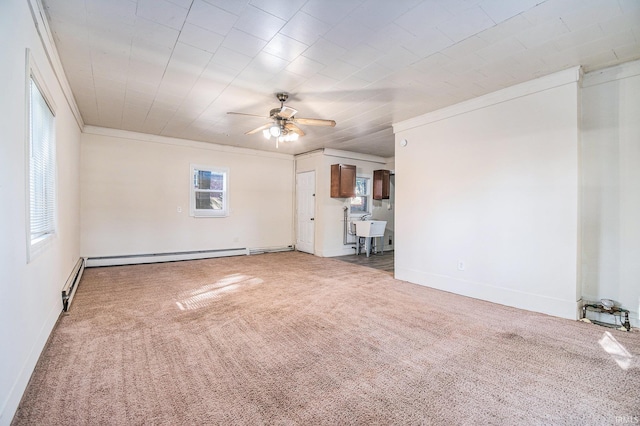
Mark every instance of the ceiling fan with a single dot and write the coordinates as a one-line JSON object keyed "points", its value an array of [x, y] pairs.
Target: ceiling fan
{"points": [[284, 122]]}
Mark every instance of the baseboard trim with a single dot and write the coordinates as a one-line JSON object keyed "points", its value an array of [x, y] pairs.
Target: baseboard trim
{"points": [[10, 404], [135, 259], [531, 302]]}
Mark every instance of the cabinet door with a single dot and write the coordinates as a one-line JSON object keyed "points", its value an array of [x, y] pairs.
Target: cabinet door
{"points": [[343, 181], [381, 184]]}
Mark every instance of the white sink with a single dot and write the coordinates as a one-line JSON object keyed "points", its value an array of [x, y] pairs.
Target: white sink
{"points": [[370, 228]]}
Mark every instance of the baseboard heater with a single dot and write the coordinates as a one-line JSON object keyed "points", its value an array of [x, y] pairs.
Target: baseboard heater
{"points": [[70, 287], [270, 250], [134, 259]]}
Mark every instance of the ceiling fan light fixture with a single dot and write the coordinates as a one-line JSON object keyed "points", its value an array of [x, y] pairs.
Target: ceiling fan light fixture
{"points": [[266, 134], [275, 131]]}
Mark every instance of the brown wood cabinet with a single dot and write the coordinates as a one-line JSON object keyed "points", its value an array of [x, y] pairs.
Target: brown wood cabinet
{"points": [[381, 184], [343, 181]]}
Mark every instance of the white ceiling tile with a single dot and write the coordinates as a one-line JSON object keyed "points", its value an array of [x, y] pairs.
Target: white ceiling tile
{"points": [[429, 43], [348, 33], [285, 47], [269, 63], [201, 38], [422, 19], [324, 51], [464, 64], [243, 42], [373, 72], [364, 62], [211, 17], [154, 33], [305, 28], [542, 33], [330, 11], [259, 23], [116, 10], [466, 24], [234, 6], [376, 14], [69, 10], [204, 92], [230, 59], [352, 83], [148, 52], [628, 52], [162, 12], [433, 61], [506, 28], [588, 12], [361, 56], [546, 11], [397, 59], [283, 9], [182, 3], [629, 21], [390, 37], [500, 10], [188, 60], [219, 73], [304, 66], [262, 68], [316, 82], [466, 47], [339, 70], [577, 37], [502, 49], [286, 81]]}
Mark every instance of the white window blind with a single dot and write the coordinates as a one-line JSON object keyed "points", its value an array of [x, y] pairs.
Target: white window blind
{"points": [[209, 197], [360, 203], [41, 166]]}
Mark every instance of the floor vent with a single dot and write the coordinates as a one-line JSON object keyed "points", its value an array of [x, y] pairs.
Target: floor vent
{"points": [[70, 287]]}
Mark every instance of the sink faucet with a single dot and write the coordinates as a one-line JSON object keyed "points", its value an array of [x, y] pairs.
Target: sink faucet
{"points": [[364, 216]]}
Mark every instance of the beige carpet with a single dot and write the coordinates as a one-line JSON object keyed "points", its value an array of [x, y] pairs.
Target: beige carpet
{"points": [[290, 338]]}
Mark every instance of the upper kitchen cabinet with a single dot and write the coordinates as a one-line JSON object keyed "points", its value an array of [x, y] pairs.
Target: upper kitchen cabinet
{"points": [[381, 184], [343, 181]]}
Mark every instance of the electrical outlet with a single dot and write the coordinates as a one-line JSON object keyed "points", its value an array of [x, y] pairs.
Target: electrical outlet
{"points": [[460, 265], [179, 209]]}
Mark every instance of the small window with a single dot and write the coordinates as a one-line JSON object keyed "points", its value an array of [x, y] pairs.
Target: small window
{"points": [[42, 172], [209, 197], [360, 203]]}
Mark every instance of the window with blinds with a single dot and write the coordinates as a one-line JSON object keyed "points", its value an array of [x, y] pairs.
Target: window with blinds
{"points": [[42, 197], [209, 196]]}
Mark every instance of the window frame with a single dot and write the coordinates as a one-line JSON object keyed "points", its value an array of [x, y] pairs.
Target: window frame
{"points": [[37, 245], [195, 212], [368, 206]]}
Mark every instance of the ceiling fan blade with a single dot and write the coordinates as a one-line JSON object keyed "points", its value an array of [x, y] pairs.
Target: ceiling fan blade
{"points": [[259, 129], [248, 115], [293, 128], [314, 122], [285, 112]]}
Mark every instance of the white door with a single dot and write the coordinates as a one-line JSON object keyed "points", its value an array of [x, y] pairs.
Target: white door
{"points": [[305, 211]]}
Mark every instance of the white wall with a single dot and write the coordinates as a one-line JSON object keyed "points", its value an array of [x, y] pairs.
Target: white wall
{"points": [[132, 186], [611, 186], [329, 219], [493, 183], [30, 298]]}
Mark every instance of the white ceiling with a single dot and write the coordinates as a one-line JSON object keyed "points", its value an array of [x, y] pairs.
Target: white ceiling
{"points": [[175, 67]]}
